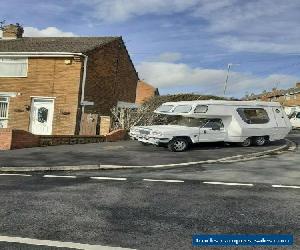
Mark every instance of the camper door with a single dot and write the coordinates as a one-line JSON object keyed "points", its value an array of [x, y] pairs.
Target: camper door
{"points": [[212, 131], [279, 117]]}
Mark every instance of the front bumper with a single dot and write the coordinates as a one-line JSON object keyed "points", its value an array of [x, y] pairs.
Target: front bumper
{"points": [[149, 139]]}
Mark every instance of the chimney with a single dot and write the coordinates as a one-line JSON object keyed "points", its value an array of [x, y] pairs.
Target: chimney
{"points": [[298, 85], [12, 31]]}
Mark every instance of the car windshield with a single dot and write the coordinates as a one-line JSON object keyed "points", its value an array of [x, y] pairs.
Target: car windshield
{"points": [[188, 121]]}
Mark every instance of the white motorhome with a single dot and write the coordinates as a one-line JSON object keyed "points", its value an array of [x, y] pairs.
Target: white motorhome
{"points": [[244, 122]]}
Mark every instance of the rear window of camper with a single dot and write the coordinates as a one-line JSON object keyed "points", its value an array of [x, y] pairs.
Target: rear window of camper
{"points": [[253, 115], [165, 108]]}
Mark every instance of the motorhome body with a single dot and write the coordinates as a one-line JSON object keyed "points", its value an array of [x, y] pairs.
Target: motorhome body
{"points": [[244, 122]]}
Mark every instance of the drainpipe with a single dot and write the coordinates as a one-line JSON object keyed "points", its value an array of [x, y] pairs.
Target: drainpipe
{"points": [[83, 82]]}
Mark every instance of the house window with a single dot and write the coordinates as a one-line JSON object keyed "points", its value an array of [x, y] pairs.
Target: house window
{"points": [[3, 111], [253, 115], [13, 67]]}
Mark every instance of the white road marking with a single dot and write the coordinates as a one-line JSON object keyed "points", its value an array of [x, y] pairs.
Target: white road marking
{"points": [[59, 176], [58, 244], [15, 175], [228, 183], [108, 178], [162, 180], [284, 186]]}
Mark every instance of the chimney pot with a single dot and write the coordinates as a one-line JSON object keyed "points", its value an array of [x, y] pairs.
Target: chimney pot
{"points": [[12, 31]]}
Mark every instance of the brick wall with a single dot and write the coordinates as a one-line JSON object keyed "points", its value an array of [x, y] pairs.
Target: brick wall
{"points": [[24, 139], [111, 77], [144, 91], [5, 138], [48, 77]]}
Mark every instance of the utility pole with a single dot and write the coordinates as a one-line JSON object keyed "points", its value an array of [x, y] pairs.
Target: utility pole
{"points": [[229, 65]]}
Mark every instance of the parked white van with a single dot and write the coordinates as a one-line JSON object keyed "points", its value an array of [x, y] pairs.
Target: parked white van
{"points": [[243, 122], [295, 119]]}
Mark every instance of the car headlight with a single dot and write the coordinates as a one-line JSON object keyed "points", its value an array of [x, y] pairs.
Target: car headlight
{"points": [[156, 133]]}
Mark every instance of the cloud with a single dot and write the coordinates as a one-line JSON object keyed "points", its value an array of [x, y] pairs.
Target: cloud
{"points": [[209, 81], [251, 26], [169, 57], [47, 32], [120, 10]]}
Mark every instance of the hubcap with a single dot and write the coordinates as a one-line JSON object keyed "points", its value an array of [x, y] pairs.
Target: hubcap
{"points": [[179, 145], [247, 142], [260, 140]]}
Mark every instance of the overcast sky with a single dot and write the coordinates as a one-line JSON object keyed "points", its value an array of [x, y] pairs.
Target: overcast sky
{"points": [[183, 45]]}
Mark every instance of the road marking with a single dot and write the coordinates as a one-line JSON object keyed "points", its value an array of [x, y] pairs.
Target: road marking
{"points": [[163, 180], [15, 175], [227, 183], [284, 186], [59, 176], [108, 178], [58, 244]]}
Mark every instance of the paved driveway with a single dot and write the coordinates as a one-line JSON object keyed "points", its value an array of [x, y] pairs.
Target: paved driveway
{"points": [[130, 153]]}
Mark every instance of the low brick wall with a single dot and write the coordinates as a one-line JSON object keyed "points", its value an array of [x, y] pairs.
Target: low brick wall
{"points": [[16, 139], [24, 139], [5, 138], [117, 135], [52, 140]]}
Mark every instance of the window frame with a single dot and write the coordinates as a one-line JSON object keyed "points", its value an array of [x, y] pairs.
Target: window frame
{"points": [[174, 109], [23, 76], [202, 106], [7, 107]]}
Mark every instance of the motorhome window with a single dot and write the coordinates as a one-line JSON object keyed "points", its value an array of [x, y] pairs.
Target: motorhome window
{"points": [[215, 124], [201, 109], [165, 108], [298, 115], [182, 109], [253, 115], [189, 121]]}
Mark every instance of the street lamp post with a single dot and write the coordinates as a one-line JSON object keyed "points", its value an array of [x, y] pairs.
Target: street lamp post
{"points": [[229, 65]]}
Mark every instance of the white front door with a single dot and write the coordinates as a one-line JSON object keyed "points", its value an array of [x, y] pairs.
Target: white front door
{"points": [[42, 110]]}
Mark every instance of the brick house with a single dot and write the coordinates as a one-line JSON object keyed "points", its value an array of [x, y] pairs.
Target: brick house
{"points": [[145, 91], [47, 84], [287, 97]]}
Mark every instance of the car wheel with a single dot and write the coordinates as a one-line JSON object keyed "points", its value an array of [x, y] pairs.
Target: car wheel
{"points": [[178, 145], [246, 143], [260, 140]]}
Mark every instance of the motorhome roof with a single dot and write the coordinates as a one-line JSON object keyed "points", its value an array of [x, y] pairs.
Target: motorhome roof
{"points": [[226, 103]]}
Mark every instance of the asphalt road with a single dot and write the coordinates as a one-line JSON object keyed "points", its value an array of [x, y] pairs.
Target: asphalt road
{"points": [[130, 153], [139, 212]]}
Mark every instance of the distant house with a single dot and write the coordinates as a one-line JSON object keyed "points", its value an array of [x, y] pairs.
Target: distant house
{"points": [[47, 84], [287, 97], [144, 91]]}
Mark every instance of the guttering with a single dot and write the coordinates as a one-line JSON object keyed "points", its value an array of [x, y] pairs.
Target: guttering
{"points": [[55, 54]]}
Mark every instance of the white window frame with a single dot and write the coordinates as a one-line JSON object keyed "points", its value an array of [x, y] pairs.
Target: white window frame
{"points": [[7, 107], [24, 76]]}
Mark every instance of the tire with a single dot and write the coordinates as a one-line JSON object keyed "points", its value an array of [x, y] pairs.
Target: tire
{"points": [[178, 144], [246, 143], [259, 140]]}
